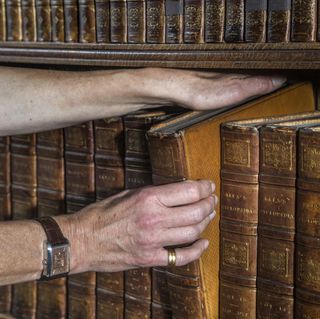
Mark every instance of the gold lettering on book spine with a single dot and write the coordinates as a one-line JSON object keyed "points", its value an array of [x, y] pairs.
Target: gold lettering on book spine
{"points": [[236, 152], [235, 254]]}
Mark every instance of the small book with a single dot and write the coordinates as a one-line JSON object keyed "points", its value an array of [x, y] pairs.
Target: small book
{"points": [[118, 21], [57, 20], [29, 23], [3, 21], [214, 20], [193, 21], [136, 21], [255, 20], [14, 20], [155, 21], [103, 21], [174, 21], [234, 29], [71, 20], [43, 12], [87, 21]]}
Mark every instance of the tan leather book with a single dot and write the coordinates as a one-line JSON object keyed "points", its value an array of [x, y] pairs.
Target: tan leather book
{"points": [[188, 147], [214, 20], [71, 20], [118, 21], [103, 21], [255, 20], [57, 20], [87, 21], [155, 21], [43, 11], [307, 245], [29, 28], [234, 29], [136, 21], [3, 21], [14, 20]]}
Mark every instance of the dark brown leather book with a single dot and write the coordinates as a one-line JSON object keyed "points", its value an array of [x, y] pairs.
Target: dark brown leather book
{"points": [[24, 206], [57, 20], [255, 20], [103, 21], [80, 192], [87, 21], [109, 166], [304, 21], [234, 29], [193, 21], [214, 20], [155, 21], [307, 280], [71, 20], [29, 28], [118, 21], [186, 148], [3, 21], [43, 11], [51, 202], [174, 21], [279, 17], [14, 20], [136, 21]]}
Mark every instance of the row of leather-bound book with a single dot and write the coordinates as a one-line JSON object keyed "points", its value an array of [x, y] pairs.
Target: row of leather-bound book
{"points": [[262, 261], [159, 21]]}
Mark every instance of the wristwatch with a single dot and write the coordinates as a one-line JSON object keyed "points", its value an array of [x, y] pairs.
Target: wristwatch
{"points": [[56, 261]]}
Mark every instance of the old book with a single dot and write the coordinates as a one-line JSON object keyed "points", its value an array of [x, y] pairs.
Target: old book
{"points": [[103, 21], [43, 11], [304, 21], [80, 192], [255, 20], [279, 17], [71, 20], [307, 302], [118, 21], [174, 21], [109, 166], [51, 202], [187, 147], [136, 21], [3, 21], [14, 20], [193, 21], [239, 210], [57, 20], [29, 28], [234, 29], [24, 206], [155, 21], [87, 21], [214, 20]]}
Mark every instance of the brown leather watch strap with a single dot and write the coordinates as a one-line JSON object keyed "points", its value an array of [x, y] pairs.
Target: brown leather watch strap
{"points": [[52, 230]]}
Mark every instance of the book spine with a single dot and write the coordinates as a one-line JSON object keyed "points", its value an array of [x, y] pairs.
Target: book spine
{"points": [[109, 166], [71, 20], [307, 260], [87, 21], [174, 21], [279, 16], [193, 21], [28, 12], [43, 11], [51, 202], [214, 20], [155, 21], [255, 20], [14, 20], [239, 221], [24, 206], [234, 30], [103, 21], [57, 19], [136, 21], [3, 21], [80, 192], [118, 21], [304, 21]]}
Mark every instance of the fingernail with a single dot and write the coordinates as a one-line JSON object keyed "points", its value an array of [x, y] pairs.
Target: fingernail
{"points": [[206, 244], [278, 81], [213, 186], [216, 199], [212, 215]]}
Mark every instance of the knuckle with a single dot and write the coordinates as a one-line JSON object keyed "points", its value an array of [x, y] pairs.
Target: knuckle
{"points": [[146, 260], [193, 191], [198, 215], [192, 233], [146, 221]]}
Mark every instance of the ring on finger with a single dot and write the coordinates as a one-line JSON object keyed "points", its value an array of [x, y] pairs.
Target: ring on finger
{"points": [[172, 257]]}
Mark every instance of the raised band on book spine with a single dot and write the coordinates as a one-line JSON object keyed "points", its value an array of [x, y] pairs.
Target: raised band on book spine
{"points": [[3, 21], [87, 21], [29, 26], [234, 30], [136, 21], [174, 21], [57, 19], [193, 21], [43, 20], [255, 20], [155, 21], [103, 21], [14, 20], [71, 20], [214, 20]]}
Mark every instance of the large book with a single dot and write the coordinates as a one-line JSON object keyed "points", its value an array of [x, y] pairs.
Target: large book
{"points": [[14, 20], [136, 21], [155, 21], [109, 166], [174, 21], [234, 29], [80, 192], [51, 202], [71, 20], [307, 263], [87, 21], [24, 206], [255, 20], [57, 20], [188, 147], [214, 20], [118, 21], [193, 21], [3, 21], [28, 12], [43, 12]]}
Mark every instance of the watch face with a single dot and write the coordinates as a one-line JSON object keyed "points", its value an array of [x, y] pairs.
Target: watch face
{"points": [[60, 260]]}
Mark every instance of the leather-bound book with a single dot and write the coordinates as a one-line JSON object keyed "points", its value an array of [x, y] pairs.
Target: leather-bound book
{"points": [[304, 21], [136, 21], [51, 202], [24, 206], [234, 29], [103, 21], [80, 192], [188, 147], [118, 21], [307, 262], [57, 20], [174, 21], [29, 27], [43, 11], [279, 17], [255, 20], [14, 20], [109, 166], [87, 21], [214, 20], [3, 21], [71, 20], [193, 21], [155, 21]]}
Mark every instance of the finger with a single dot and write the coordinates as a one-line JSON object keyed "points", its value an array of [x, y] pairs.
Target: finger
{"points": [[184, 193]]}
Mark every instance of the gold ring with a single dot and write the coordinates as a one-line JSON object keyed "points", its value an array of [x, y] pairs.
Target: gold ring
{"points": [[172, 257]]}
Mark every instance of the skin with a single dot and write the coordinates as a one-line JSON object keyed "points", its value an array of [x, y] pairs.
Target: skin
{"points": [[130, 229]]}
